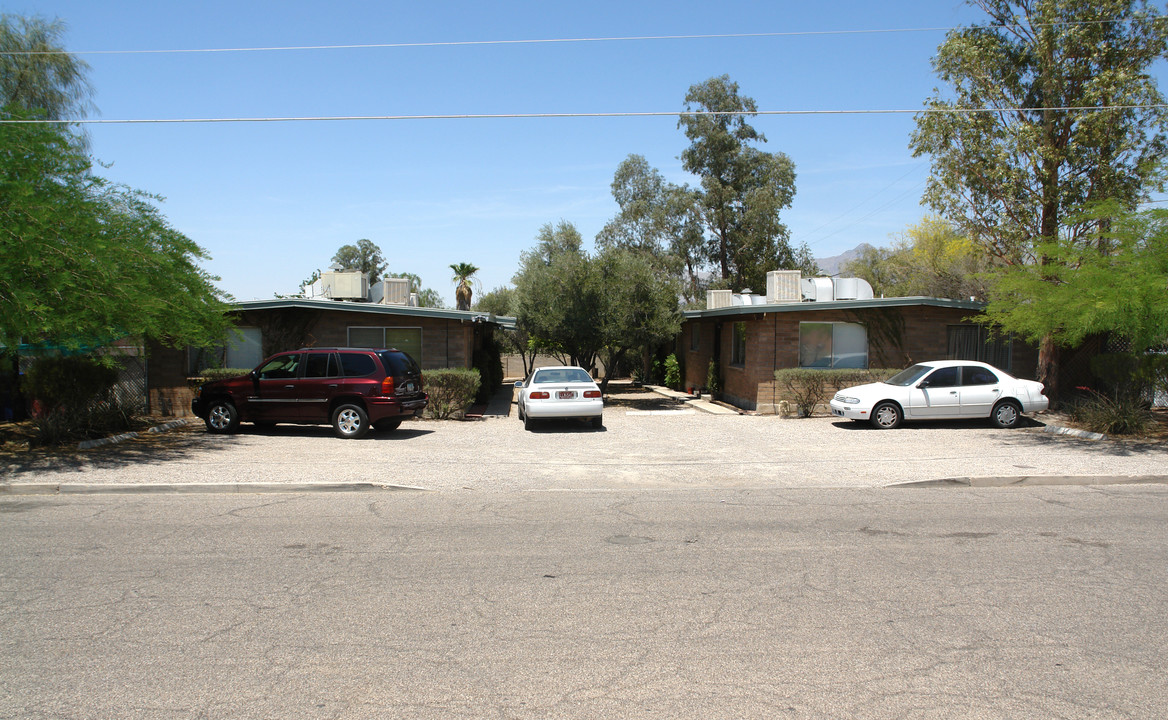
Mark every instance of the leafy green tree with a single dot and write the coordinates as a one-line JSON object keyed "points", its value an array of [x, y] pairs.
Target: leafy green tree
{"points": [[84, 261], [1051, 106], [463, 272], [364, 256], [638, 306], [503, 302], [1116, 284], [930, 259], [559, 300], [743, 189], [36, 75], [657, 218]]}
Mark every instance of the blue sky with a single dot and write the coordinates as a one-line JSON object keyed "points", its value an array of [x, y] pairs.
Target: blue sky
{"points": [[271, 202]]}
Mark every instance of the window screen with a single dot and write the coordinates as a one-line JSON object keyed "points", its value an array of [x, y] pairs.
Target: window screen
{"points": [[406, 339]]}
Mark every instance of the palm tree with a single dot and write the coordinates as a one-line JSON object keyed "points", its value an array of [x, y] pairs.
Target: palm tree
{"points": [[463, 272]]}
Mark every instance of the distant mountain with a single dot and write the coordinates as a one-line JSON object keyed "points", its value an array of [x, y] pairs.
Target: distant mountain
{"points": [[832, 265]]}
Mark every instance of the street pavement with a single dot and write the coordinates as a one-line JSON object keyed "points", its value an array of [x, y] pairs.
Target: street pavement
{"points": [[1034, 602]]}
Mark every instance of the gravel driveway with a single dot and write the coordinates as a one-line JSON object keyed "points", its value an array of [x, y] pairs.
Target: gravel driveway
{"points": [[647, 441]]}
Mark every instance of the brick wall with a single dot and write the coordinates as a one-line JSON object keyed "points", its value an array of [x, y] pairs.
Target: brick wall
{"points": [[897, 337]]}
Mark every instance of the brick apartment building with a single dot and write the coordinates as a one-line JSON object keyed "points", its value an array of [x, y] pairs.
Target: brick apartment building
{"points": [[753, 336]]}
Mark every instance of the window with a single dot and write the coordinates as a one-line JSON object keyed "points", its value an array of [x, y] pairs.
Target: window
{"points": [[738, 350], [695, 337], [975, 375], [974, 342], [357, 364], [282, 367], [406, 339], [319, 364], [244, 350], [833, 345], [944, 378]]}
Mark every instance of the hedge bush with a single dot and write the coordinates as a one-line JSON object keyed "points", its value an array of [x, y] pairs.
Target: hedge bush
{"points": [[75, 398], [809, 388], [451, 392]]}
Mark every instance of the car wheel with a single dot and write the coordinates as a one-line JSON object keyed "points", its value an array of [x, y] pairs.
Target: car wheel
{"points": [[350, 421], [1006, 414], [886, 416], [387, 425], [222, 417], [598, 423], [528, 423]]}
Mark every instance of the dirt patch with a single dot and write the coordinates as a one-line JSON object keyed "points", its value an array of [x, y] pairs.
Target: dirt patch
{"points": [[636, 398]]}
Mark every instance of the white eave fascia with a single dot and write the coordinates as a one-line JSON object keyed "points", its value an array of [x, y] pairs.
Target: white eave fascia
{"points": [[795, 307]]}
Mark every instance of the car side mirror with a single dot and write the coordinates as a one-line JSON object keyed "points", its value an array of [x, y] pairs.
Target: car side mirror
{"points": [[923, 384], [518, 384]]}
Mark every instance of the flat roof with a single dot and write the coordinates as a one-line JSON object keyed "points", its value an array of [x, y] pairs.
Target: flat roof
{"points": [[374, 308], [833, 305]]}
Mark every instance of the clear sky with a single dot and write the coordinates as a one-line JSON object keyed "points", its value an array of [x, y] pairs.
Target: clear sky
{"points": [[272, 202]]}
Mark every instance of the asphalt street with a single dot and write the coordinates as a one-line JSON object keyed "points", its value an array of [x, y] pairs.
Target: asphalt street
{"points": [[1036, 602]]}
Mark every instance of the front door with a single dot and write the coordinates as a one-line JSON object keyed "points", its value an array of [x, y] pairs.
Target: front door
{"points": [[276, 397], [937, 395]]}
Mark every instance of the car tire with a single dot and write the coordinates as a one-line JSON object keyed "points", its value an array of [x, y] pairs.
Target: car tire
{"points": [[528, 423], [350, 421], [222, 418], [388, 425], [1006, 415], [598, 423], [887, 416]]}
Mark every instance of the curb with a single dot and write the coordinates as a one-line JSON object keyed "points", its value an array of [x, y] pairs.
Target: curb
{"points": [[194, 488], [88, 444], [1036, 481], [1074, 432]]}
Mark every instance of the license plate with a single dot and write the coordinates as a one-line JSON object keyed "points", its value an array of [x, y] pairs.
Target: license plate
{"points": [[566, 394]]}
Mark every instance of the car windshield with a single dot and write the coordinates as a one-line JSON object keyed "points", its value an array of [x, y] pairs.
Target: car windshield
{"points": [[904, 378], [561, 376]]}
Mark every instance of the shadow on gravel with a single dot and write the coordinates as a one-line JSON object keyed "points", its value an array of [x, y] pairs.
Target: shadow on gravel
{"points": [[911, 425], [567, 425], [147, 448], [158, 448], [638, 399]]}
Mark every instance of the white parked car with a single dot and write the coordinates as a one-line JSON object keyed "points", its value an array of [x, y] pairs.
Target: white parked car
{"points": [[560, 392], [942, 390]]}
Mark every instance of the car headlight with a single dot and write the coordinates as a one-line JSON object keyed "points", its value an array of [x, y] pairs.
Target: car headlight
{"points": [[847, 400]]}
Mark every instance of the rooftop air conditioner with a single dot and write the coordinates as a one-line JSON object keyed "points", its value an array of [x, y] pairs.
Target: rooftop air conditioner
{"points": [[345, 285], [782, 286]]}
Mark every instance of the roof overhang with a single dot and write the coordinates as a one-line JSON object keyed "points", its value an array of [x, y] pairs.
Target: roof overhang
{"points": [[470, 316], [875, 303]]}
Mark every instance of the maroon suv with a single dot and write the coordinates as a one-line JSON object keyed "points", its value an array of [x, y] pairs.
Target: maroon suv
{"points": [[351, 388]]}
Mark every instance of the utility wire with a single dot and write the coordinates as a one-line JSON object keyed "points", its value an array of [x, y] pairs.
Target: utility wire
{"points": [[517, 116], [547, 41]]}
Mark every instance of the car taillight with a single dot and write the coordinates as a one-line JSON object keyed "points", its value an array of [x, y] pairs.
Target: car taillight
{"points": [[387, 385], [539, 395], [591, 393]]}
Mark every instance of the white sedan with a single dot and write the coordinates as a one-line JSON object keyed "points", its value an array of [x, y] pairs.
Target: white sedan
{"points": [[942, 390], [560, 392]]}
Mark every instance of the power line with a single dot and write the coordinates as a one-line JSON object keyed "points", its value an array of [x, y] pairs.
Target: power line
{"points": [[549, 41], [528, 116], [472, 43]]}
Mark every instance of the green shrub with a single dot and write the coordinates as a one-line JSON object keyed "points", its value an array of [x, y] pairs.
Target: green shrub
{"points": [[672, 373], [75, 399], [1120, 414], [210, 374], [713, 380], [451, 392], [808, 388]]}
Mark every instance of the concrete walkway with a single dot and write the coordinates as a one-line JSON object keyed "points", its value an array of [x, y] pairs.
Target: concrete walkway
{"points": [[706, 406]]}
